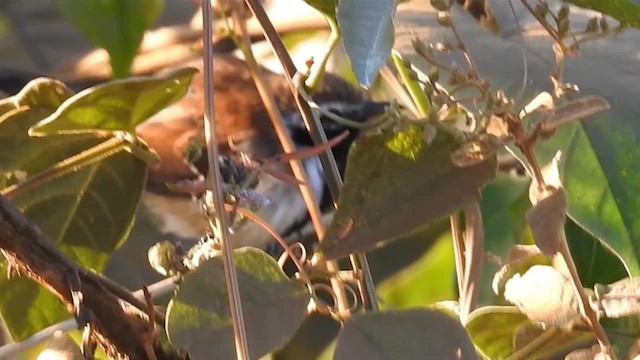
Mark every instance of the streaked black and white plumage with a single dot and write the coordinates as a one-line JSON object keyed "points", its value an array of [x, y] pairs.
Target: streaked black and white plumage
{"points": [[242, 118]]}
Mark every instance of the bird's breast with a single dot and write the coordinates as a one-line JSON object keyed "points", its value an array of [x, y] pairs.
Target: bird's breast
{"points": [[183, 217]]}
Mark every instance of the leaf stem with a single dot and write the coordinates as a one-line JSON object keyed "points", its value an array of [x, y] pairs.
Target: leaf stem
{"points": [[420, 99], [88, 157], [337, 118], [473, 259], [287, 145], [318, 68], [215, 184], [334, 180]]}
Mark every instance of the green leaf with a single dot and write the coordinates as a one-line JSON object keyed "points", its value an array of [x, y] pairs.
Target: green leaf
{"points": [[492, 329], [367, 31], [395, 183], [601, 160], [425, 334], [496, 331], [86, 213], [119, 105], [115, 25], [427, 280], [596, 263], [625, 11], [503, 204], [326, 7], [600, 169], [273, 305]]}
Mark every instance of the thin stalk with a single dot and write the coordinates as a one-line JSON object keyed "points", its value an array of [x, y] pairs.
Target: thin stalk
{"points": [[536, 344], [458, 252], [287, 145], [318, 68], [231, 279], [467, 249], [420, 99], [73, 163], [585, 305], [473, 258], [318, 136], [551, 31]]}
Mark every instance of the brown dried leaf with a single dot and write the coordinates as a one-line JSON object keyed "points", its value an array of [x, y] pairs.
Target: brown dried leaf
{"points": [[544, 295], [619, 299], [542, 102], [548, 215], [476, 151], [520, 258], [575, 110]]}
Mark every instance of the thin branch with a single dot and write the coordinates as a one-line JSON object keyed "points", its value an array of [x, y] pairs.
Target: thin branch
{"points": [[158, 289], [333, 178], [474, 257], [296, 166], [215, 184], [115, 327], [585, 305], [318, 68], [549, 29], [472, 65], [458, 252], [301, 269], [73, 163]]}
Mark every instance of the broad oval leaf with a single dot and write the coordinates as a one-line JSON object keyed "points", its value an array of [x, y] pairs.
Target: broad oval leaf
{"points": [[115, 25], [601, 160], [492, 329], [118, 105], [426, 334], [367, 31], [496, 331], [425, 280], [86, 213], [503, 203], [596, 263], [396, 182], [326, 7], [199, 320], [625, 11]]}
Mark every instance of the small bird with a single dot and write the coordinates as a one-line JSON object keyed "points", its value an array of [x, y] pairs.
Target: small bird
{"points": [[241, 120], [242, 125]]}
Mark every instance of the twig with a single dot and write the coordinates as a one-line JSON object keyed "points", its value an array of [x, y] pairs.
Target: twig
{"points": [[526, 351], [73, 163], [473, 256], [24, 246], [9, 351], [472, 66], [549, 30], [318, 68], [334, 180], [458, 252], [301, 270], [215, 184], [328, 114], [285, 139], [585, 305]]}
